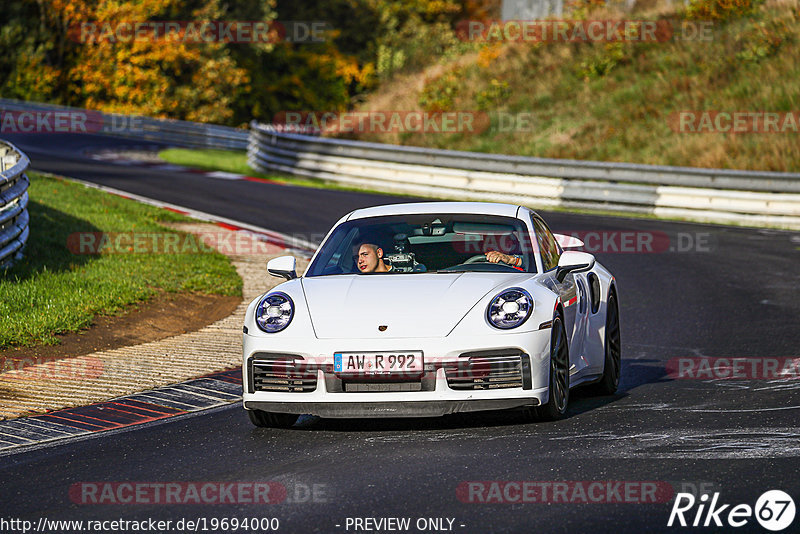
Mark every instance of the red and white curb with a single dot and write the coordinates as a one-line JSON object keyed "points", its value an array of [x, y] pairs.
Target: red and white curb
{"points": [[206, 392], [210, 391]]}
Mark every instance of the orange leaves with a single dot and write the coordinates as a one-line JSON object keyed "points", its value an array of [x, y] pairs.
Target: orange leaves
{"points": [[488, 54], [146, 72], [720, 10]]}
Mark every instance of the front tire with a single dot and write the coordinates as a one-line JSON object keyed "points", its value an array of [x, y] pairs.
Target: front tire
{"points": [[263, 419], [556, 406], [609, 383]]}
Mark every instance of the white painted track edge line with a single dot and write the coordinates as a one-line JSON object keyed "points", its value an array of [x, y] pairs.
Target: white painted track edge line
{"points": [[301, 244]]}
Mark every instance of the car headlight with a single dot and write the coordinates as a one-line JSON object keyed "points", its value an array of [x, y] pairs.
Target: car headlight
{"points": [[510, 308], [274, 312]]}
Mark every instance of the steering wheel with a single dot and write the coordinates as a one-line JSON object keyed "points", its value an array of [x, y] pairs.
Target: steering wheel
{"points": [[477, 258]]}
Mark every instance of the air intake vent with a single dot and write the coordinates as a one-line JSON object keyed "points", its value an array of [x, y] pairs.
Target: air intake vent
{"points": [[286, 373], [487, 370]]}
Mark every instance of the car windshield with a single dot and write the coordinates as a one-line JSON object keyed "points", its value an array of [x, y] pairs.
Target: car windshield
{"points": [[408, 244]]}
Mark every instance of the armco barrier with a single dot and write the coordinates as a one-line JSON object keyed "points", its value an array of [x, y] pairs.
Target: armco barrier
{"points": [[711, 195], [173, 132], [13, 203]]}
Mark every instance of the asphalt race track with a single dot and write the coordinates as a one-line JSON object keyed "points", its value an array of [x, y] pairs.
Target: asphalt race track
{"points": [[719, 293]]}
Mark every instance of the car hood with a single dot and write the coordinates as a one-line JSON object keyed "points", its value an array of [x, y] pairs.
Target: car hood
{"points": [[409, 305]]}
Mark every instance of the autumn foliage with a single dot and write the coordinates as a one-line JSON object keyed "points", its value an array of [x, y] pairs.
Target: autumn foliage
{"points": [[46, 58], [150, 77]]}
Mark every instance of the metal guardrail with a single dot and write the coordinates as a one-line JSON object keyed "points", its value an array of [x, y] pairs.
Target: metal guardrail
{"points": [[13, 203], [174, 132], [711, 195]]}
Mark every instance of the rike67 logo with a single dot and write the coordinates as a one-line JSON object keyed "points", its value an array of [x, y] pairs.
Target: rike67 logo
{"points": [[774, 510]]}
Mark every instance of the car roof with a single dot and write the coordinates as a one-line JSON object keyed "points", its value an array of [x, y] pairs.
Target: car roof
{"points": [[483, 208]]}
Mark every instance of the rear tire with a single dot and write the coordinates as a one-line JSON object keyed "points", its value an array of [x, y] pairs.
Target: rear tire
{"points": [[558, 395], [263, 419], [609, 382]]}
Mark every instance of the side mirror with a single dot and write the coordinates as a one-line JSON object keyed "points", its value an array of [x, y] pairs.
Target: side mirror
{"points": [[284, 267], [573, 261]]}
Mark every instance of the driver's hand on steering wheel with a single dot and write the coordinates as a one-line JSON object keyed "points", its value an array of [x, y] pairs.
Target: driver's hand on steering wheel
{"points": [[494, 256]]}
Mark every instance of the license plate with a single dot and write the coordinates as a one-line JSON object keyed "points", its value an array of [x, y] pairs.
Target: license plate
{"points": [[378, 364]]}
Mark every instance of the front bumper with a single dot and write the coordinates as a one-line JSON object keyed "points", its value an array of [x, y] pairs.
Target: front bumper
{"points": [[320, 391], [388, 409]]}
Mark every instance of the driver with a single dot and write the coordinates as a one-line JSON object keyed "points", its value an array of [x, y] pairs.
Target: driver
{"points": [[369, 259], [494, 256]]}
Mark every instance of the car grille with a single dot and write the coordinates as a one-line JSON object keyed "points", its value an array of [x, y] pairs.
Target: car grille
{"points": [[489, 370], [281, 372]]}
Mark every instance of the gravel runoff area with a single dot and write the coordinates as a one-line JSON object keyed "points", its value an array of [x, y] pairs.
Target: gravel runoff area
{"points": [[113, 373]]}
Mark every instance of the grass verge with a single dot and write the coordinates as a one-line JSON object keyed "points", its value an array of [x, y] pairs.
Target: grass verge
{"points": [[622, 100], [53, 290]]}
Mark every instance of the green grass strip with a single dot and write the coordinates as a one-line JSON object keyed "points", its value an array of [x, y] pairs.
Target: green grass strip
{"points": [[54, 290]]}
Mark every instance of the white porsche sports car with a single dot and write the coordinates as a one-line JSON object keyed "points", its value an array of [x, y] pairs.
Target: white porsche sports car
{"points": [[428, 309]]}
